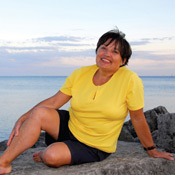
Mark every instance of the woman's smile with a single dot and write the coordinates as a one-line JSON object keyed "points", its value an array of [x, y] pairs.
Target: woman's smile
{"points": [[105, 60]]}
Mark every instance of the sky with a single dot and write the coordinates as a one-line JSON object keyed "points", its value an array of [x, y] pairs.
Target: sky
{"points": [[54, 37]]}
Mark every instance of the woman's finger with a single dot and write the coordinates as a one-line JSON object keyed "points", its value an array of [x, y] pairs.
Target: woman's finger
{"points": [[168, 156], [159, 154], [11, 137], [165, 155], [17, 130]]}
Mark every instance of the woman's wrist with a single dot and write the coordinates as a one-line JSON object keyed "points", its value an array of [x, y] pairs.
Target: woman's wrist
{"points": [[149, 148]]}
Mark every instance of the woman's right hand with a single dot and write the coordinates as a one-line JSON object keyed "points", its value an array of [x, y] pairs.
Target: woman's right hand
{"points": [[15, 131]]}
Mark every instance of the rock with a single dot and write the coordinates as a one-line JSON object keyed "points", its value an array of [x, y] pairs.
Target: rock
{"points": [[129, 159], [151, 116], [39, 143], [161, 124], [126, 133], [3, 145], [166, 132]]}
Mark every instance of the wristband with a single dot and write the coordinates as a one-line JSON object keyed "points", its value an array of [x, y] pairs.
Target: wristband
{"points": [[149, 148]]}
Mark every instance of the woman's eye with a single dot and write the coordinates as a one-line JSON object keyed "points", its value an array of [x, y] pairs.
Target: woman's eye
{"points": [[115, 51], [103, 48]]}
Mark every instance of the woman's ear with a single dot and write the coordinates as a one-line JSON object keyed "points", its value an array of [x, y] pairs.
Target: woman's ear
{"points": [[123, 62]]}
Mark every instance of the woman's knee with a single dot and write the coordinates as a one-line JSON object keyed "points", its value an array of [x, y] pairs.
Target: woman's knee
{"points": [[49, 158], [40, 112], [56, 155]]}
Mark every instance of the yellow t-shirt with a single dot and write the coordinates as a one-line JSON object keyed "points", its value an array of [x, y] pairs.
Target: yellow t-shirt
{"points": [[97, 113]]}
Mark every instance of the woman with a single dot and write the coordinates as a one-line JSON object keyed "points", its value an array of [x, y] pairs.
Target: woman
{"points": [[101, 97]]}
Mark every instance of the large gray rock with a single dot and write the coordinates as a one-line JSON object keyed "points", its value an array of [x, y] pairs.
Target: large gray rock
{"points": [[166, 132], [3, 145], [39, 143], [162, 127], [129, 159]]}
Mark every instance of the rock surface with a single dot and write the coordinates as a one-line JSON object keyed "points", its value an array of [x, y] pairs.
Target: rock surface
{"points": [[166, 132], [129, 159], [162, 127]]}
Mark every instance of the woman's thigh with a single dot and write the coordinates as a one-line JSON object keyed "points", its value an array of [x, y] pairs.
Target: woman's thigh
{"points": [[49, 120]]}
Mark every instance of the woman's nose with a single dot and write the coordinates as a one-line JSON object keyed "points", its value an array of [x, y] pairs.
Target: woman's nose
{"points": [[107, 52]]}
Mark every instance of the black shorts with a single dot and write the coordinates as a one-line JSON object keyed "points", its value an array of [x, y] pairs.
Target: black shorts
{"points": [[80, 153]]}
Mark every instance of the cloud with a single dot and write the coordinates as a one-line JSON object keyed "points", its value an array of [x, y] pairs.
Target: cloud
{"points": [[78, 61], [59, 38], [46, 44], [25, 49], [135, 43], [60, 55], [152, 67], [152, 55], [75, 61], [71, 44], [159, 39], [42, 56], [145, 41], [152, 63]]}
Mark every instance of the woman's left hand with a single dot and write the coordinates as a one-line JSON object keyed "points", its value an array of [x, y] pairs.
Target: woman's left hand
{"points": [[158, 154]]}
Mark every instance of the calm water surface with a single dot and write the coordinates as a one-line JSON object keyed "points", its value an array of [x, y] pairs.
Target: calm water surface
{"points": [[19, 94]]}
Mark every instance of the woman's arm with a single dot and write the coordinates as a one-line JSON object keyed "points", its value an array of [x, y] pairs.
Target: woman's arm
{"points": [[54, 102], [143, 132]]}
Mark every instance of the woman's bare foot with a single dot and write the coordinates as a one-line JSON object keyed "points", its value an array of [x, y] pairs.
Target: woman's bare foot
{"points": [[37, 157], [5, 170]]}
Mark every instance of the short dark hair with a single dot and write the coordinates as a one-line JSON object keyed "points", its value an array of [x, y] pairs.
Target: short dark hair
{"points": [[119, 38]]}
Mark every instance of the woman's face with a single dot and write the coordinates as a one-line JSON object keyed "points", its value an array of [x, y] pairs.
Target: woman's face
{"points": [[108, 57]]}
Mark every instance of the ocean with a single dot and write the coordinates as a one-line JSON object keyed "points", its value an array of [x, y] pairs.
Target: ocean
{"points": [[19, 94]]}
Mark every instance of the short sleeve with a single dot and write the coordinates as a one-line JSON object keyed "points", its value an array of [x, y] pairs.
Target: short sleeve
{"points": [[67, 86], [135, 93]]}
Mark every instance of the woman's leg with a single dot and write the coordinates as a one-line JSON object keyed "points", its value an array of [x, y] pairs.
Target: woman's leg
{"points": [[41, 118], [55, 155]]}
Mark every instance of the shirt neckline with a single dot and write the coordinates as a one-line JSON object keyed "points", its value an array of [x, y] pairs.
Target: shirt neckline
{"points": [[108, 82]]}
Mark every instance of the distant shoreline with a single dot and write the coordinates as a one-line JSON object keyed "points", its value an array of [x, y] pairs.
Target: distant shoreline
{"points": [[40, 76]]}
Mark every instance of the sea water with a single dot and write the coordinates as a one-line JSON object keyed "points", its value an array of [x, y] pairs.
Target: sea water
{"points": [[19, 94]]}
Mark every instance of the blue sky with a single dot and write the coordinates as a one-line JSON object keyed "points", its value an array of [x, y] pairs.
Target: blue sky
{"points": [[54, 37]]}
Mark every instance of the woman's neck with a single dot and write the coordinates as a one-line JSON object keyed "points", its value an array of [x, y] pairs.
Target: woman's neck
{"points": [[101, 77]]}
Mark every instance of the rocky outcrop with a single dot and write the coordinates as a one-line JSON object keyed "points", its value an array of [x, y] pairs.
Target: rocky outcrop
{"points": [[129, 158], [166, 132], [162, 127], [39, 143]]}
